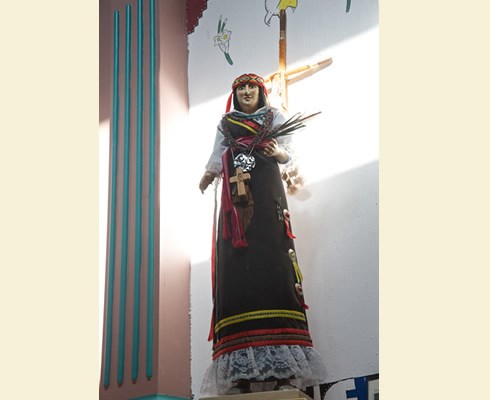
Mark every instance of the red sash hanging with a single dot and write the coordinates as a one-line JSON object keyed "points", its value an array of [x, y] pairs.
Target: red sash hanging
{"points": [[237, 233]]}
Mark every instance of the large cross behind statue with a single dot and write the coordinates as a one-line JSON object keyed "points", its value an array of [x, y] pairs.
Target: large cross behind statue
{"points": [[280, 80]]}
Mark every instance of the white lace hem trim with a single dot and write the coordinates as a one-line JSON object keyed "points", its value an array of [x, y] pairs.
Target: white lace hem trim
{"points": [[262, 363]]}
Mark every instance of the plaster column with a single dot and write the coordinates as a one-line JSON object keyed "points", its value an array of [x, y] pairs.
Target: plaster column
{"points": [[146, 340]]}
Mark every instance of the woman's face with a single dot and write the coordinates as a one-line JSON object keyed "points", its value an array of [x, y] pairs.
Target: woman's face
{"points": [[248, 98]]}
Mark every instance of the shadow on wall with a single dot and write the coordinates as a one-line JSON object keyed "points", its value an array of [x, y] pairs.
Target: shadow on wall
{"points": [[342, 213], [340, 258]]}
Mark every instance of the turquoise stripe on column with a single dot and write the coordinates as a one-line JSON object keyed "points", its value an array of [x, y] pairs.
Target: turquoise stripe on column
{"points": [[151, 199], [124, 239], [138, 207], [113, 204]]}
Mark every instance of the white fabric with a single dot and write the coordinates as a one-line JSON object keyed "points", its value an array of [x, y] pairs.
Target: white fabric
{"points": [[261, 363]]}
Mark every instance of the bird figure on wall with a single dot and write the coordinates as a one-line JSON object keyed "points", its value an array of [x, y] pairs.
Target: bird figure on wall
{"points": [[273, 7]]}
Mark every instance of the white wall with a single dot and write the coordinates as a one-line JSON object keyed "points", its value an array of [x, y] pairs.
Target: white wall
{"points": [[335, 217]]}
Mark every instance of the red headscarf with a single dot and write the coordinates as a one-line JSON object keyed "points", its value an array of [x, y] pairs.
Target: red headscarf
{"points": [[242, 80]]}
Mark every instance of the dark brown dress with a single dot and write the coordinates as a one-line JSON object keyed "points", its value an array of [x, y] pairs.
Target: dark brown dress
{"points": [[260, 328]]}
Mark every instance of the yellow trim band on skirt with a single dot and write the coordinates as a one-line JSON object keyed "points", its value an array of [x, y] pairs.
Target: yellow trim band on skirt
{"points": [[242, 124], [260, 314]]}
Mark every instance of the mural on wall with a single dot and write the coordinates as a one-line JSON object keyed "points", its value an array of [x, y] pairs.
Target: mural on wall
{"points": [[274, 7], [365, 388], [195, 9], [222, 39]]}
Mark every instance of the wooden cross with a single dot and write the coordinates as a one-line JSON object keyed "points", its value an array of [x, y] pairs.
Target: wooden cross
{"points": [[240, 178], [280, 80]]}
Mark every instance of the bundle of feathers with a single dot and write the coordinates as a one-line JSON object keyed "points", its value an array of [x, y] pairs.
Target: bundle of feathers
{"points": [[293, 179]]}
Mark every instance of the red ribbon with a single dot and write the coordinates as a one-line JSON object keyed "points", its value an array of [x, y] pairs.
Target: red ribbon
{"points": [[288, 226], [299, 294]]}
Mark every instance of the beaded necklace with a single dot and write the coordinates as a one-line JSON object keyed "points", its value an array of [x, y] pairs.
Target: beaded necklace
{"points": [[263, 122]]}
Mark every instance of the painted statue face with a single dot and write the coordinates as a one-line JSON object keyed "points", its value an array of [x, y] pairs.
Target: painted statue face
{"points": [[248, 98]]}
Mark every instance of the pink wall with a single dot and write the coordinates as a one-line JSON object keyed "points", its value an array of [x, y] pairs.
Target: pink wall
{"points": [[171, 355]]}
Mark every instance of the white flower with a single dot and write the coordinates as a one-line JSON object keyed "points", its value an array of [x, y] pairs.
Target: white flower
{"points": [[223, 40]]}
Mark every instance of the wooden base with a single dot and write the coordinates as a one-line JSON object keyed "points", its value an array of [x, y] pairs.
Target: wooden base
{"points": [[274, 395]]}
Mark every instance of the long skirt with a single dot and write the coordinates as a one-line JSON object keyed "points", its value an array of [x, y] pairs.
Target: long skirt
{"points": [[260, 328]]}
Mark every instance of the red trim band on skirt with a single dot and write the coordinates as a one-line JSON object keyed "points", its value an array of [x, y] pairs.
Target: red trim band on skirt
{"points": [[263, 343], [261, 332]]}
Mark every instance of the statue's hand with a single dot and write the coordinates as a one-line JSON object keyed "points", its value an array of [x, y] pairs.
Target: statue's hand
{"points": [[206, 180]]}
